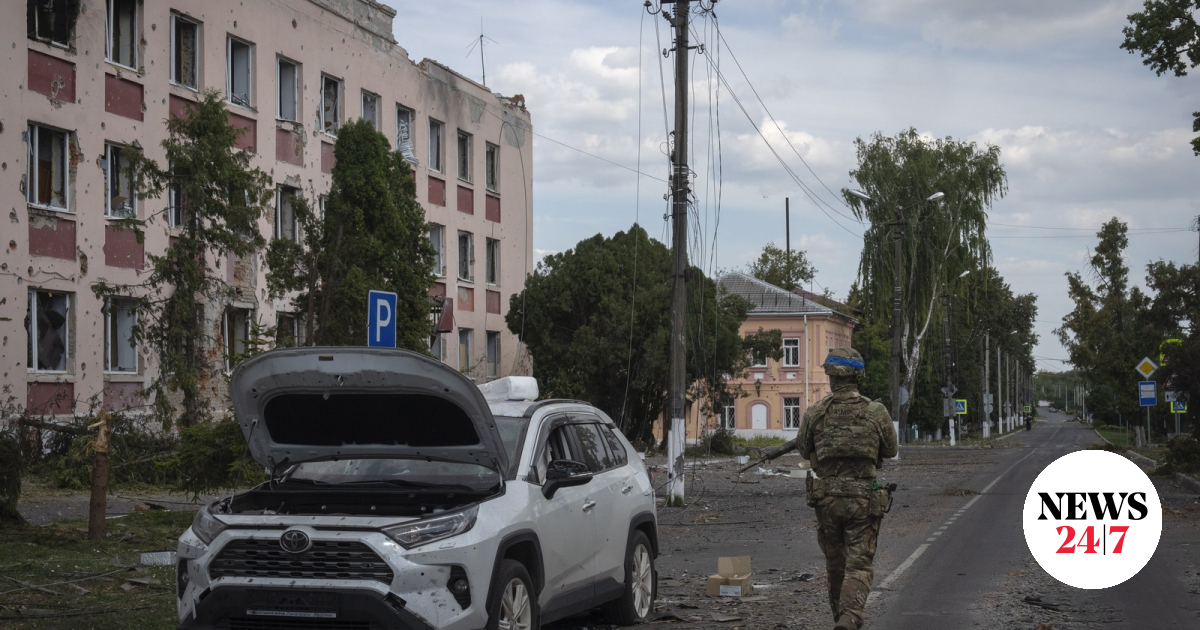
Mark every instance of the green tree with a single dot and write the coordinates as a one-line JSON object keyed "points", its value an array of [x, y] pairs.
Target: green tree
{"points": [[595, 319], [1167, 36], [1105, 334], [941, 240], [775, 266], [1173, 316], [373, 236], [221, 198]]}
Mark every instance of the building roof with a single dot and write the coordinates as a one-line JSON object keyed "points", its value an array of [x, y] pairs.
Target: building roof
{"points": [[768, 299]]}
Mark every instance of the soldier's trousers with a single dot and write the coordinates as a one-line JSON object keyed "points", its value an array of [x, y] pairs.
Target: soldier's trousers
{"points": [[848, 528]]}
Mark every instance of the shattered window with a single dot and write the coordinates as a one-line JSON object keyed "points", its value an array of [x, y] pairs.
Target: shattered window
{"points": [[238, 70], [52, 21], [492, 261], [791, 413], [287, 330], [370, 109], [435, 145], [121, 47], [235, 328], [331, 94], [437, 348], [175, 202], [492, 167], [48, 324], [47, 172], [285, 214], [493, 354], [437, 236], [120, 347], [465, 337], [185, 51], [466, 256], [287, 78], [404, 142], [464, 156], [121, 202]]}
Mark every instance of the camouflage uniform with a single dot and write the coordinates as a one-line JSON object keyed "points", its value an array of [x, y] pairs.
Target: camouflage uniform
{"points": [[846, 436]]}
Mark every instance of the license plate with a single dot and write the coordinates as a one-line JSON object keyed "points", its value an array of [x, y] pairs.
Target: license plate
{"points": [[305, 604]]}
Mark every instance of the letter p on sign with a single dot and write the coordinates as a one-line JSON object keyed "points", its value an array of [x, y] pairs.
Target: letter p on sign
{"points": [[381, 319]]}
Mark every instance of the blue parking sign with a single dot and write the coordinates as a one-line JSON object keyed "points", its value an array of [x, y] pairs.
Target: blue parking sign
{"points": [[381, 319], [1148, 393]]}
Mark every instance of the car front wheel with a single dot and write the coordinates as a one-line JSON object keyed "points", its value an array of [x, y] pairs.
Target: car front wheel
{"points": [[637, 600], [514, 605]]}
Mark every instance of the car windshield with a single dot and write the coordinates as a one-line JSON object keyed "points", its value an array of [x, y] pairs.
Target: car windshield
{"points": [[399, 471]]}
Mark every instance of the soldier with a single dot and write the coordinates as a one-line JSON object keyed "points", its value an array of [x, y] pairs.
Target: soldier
{"points": [[846, 436]]}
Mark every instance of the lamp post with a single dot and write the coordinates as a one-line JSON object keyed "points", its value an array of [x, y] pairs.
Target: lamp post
{"points": [[897, 236]]}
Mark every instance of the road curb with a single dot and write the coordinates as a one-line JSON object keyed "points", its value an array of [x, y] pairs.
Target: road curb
{"points": [[1187, 481]]}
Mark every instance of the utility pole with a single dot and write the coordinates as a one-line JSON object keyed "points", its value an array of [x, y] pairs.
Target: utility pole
{"points": [[787, 230], [897, 240], [948, 390], [677, 385], [987, 385]]}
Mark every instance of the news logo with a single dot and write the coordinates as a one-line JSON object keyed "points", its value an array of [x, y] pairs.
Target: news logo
{"points": [[1092, 519]]}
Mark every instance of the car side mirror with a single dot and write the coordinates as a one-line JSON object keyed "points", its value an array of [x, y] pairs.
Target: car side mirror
{"points": [[562, 473]]}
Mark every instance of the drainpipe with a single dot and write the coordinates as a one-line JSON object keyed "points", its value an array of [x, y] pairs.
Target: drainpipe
{"points": [[807, 364]]}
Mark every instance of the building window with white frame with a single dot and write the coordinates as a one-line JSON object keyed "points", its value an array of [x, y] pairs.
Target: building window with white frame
{"points": [[48, 324], [121, 43], [185, 52], [47, 175], [52, 21], [287, 88], [120, 347], [239, 70], [464, 155], [465, 337], [286, 227], [370, 109], [121, 200], [492, 261], [437, 236], [791, 412], [404, 130], [791, 353], [175, 202], [435, 145], [493, 354], [491, 167], [331, 104], [235, 328], [466, 256], [729, 417]]}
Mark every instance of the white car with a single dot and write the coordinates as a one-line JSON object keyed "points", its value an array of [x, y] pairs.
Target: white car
{"points": [[403, 497]]}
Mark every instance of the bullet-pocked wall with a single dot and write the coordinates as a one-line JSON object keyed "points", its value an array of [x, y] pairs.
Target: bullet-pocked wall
{"points": [[93, 78]]}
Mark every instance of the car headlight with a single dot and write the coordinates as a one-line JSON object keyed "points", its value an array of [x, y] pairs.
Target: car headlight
{"points": [[206, 526], [425, 531]]}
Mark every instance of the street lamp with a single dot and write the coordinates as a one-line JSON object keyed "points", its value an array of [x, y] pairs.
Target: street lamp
{"points": [[897, 236]]}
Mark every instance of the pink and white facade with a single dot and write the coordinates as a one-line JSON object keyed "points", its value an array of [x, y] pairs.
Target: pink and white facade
{"points": [[88, 80]]}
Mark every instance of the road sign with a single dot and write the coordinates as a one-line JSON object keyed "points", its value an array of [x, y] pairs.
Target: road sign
{"points": [[1146, 367], [949, 390], [1170, 395], [988, 408], [1147, 393], [1179, 407], [960, 407], [381, 319], [987, 399], [1027, 409]]}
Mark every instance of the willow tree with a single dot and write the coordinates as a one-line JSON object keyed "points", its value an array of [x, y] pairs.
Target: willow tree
{"points": [[940, 239]]}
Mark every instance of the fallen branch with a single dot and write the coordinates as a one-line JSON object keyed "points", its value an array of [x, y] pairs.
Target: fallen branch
{"points": [[26, 585], [64, 428], [75, 613]]}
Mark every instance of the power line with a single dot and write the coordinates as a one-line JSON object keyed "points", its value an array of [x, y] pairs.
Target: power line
{"points": [[602, 159]]}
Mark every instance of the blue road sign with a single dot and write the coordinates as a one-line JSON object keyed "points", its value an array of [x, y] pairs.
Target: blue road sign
{"points": [[1148, 393], [1178, 406], [381, 319], [960, 406]]}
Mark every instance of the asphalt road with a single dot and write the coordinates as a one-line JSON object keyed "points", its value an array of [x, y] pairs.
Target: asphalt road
{"points": [[973, 569]]}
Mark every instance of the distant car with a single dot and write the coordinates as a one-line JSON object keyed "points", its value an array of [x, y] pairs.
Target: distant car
{"points": [[401, 495], [1053, 410]]}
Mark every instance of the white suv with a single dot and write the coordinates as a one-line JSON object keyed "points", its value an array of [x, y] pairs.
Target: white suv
{"points": [[402, 495]]}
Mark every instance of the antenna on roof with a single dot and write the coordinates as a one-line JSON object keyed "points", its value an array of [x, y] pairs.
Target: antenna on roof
{"points": [[480, 41]]}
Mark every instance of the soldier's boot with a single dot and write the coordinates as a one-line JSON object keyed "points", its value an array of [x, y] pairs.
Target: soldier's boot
{"points": [[848, 622]]}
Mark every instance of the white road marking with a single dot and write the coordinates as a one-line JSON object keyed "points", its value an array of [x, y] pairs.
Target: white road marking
{"points": [[908, 562]]}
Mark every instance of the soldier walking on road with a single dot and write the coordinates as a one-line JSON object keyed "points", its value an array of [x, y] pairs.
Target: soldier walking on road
{"points": [[846, 437]]}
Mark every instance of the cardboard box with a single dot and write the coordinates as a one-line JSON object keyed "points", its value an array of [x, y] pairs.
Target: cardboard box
{"points": [[732, 578]]}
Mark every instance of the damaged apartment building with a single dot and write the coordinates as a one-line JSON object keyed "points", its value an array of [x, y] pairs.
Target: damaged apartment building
{"points": [[89, 81]]}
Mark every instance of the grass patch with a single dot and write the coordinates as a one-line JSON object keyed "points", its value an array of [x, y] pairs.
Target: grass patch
{"points": [[50, 556], [759, 441], [1116, 435]]}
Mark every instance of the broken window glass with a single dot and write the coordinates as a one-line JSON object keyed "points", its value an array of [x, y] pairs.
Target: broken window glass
{"points": [[492, 261], [464, 156], [238, 71], [437, 236], [435, 145], [48, 327], [287, 330], [285, 214], [236, 330], [404, 143], [493, 354], [122, 46], [466, 256], [52, 21], [465, 336], [120, 347], [492, 166], [47, 173], [184, 51], [331, 113], [370, 109], [118, 176], [287, 76]]}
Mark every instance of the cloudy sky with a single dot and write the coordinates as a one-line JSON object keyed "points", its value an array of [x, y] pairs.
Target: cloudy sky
{"points": [[1085, 130]]}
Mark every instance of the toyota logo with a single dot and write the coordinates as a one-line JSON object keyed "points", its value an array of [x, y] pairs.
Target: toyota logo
{"points": [[295, 541]]}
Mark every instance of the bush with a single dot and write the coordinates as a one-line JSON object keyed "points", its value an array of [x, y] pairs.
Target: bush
{"points": [[1182, 456], [213, 455], [12, 464], [136, 453], [759, 441]]}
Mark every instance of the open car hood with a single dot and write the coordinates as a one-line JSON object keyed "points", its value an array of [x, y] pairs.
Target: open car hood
{"points": [[299, 404]]}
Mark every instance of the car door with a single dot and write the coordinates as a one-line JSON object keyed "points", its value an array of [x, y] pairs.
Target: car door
{"points": [[612, 527], [566, 525]]}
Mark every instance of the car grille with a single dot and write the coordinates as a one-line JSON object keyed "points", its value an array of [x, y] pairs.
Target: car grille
{"points": [[250, 623], [326, 560]]}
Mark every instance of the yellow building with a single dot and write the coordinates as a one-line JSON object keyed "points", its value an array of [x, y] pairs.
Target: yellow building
{"points": [[775, 394]]}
